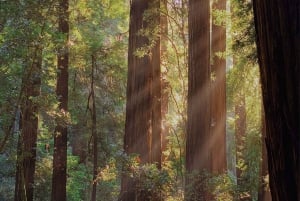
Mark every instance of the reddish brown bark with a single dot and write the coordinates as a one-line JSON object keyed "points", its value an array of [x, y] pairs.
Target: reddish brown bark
{"points": [[28, 138], [138, 107], [143, 109], [59, 176], [198, 157], [218, 89], [156, 144]]}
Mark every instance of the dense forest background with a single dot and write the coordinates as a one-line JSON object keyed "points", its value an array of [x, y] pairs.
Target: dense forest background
{"points": [[130, 100]]}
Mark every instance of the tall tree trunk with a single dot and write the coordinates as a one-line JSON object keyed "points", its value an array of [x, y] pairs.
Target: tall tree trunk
{"points": [[137, 137], [277, 26], [28, 137], [218, 98], [94, 133], [156, 144], [59, 176], [143, 109], [198, 157]]}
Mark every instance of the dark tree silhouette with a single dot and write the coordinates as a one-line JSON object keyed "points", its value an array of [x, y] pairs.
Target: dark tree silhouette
{"points": [[277, 26], [29, 129], [94, 130], [59, 176]]}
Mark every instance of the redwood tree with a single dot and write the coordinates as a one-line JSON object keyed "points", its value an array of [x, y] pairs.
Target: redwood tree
{"points": [[198, 156], [277, 26], [59, 176], [218, 90], [156, 93], [24, 185], [143, 98]]}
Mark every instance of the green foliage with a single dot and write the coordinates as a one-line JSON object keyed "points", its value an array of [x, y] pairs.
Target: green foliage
{"points": [[102, 33], [197, 186], [250, 176], [174, 72], [149, 180], [174, 163], [78, 178], [7, 184], [7, 176], [42, 186], [206, 186], [156, 183], [222, 187], [243, 81], [43, 169], [243, 30], [108, 182]]}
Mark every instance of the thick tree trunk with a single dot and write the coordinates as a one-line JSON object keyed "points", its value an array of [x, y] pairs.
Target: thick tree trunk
{"points": [[138, 123], [24, 185], [59, 176], [94, 134], [138, 108], [218, 98], [143, 109], [198, 157], [277, 26]]}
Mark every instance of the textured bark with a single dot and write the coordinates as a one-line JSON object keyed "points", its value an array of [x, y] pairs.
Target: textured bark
{"points": [[138, 123], [94, 134], [24, 185], [138, 107], [156, 144], [198, 157], [59, 176], [218, 90], [277, 26]]}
